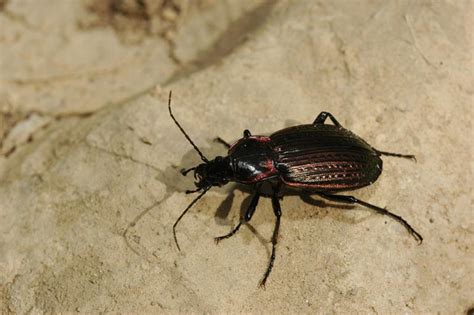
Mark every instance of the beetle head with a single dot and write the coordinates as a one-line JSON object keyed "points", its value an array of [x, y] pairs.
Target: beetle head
{"points": [[216, 172]]}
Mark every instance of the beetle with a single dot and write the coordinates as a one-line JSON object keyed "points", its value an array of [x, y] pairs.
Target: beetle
{"points": [[316, 158]]}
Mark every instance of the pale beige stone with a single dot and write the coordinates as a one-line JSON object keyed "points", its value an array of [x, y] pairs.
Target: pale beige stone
{"points": [[86, 208]]}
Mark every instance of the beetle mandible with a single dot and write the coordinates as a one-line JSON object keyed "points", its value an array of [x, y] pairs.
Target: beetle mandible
{"points": [[318, 158]]}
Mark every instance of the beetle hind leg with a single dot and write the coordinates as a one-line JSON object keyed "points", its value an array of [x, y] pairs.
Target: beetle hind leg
{"points": [[353, 200], [246, 218]]}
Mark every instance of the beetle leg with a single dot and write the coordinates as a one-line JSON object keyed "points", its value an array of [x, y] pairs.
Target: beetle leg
{"points": [[277, 211], [405, 156], [222, 141], [247, 133], [322, 118], [185, 172], [246, 218], [353, 200]]}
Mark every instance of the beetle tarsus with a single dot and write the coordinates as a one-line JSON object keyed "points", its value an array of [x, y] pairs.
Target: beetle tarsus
{"points": [[223, 142], [246, 218], [277, 212], [405, 156], [185, 172], [322, 118], [353, 200], [234, 230]]}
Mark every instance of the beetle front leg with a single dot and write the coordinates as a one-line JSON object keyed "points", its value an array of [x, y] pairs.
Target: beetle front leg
{"points": [[277, 212], [353, 200], [322, 118], [246, 218]]}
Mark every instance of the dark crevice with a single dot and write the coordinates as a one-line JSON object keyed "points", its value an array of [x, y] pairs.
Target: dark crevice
{"points": [[3, 4], [232, 38]]}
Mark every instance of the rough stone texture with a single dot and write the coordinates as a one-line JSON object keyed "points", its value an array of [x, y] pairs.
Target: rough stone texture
{"points": [[87, 205]]}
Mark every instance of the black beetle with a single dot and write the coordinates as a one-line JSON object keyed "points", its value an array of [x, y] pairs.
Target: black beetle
{"points": [[318, 158]]}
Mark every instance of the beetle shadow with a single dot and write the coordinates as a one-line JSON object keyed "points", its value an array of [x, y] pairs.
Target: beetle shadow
{"points": [[174, 182], [222, 214], [326, 208]]}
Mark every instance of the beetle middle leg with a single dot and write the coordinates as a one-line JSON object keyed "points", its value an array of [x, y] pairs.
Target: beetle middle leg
{"points": [[246, 217], [353, 200]]}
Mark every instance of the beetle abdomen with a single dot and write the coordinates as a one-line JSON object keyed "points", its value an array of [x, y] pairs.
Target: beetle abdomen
{"points": [[324, 157]]}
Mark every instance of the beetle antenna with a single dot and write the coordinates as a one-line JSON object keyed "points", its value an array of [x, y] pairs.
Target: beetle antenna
{"points": [[184, 132], [184, 212]]}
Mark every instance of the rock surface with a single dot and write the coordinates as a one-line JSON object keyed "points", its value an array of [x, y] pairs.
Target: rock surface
{"points": [[88, 202]]}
